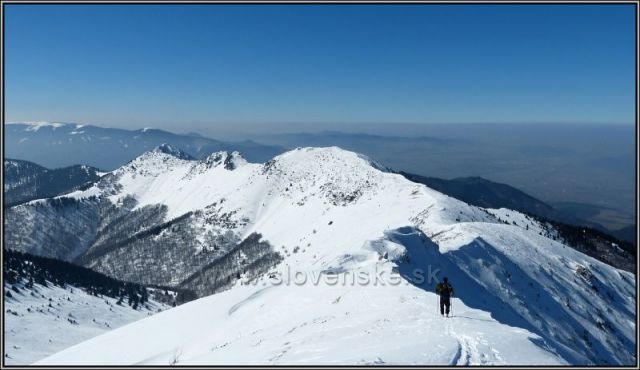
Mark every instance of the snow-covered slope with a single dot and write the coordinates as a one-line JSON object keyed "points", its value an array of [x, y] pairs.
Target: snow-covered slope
{"points": [[319, 325], [43, 320], [331, 212]]}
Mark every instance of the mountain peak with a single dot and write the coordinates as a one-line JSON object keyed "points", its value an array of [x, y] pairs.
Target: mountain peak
{"points": [[173, 151], [231, 161], [328, 158], [234, 160], [155, 161]]}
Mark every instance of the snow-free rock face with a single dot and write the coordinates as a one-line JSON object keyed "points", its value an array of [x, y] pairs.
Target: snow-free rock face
{"points": [[522, 297]]}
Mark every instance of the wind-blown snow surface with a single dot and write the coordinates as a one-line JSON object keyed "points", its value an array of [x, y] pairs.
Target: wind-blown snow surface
{"points": [[522, 297], [327, 325], [44, 320]]}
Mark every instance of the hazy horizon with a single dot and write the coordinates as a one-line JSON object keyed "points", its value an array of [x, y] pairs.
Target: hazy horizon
{"points": [[244, 131]]}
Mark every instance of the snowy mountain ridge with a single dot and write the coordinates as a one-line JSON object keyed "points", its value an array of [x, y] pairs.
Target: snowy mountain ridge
{"points": [[330, 212]]}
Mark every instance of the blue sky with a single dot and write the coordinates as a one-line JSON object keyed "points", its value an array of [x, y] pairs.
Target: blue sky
{"points": [[172, 65]]}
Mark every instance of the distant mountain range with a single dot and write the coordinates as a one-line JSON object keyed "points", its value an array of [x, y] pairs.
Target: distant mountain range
{"points": [[56, 145], [25, 181]]}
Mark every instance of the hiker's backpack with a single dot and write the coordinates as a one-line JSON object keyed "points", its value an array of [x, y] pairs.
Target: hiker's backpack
{"points": [[444, 289]]}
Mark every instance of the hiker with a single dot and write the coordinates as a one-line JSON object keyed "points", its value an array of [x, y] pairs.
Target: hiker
{"points": [[445, 290]]}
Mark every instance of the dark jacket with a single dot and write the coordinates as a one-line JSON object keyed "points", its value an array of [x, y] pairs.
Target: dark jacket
{"points": [[445, 290]]}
